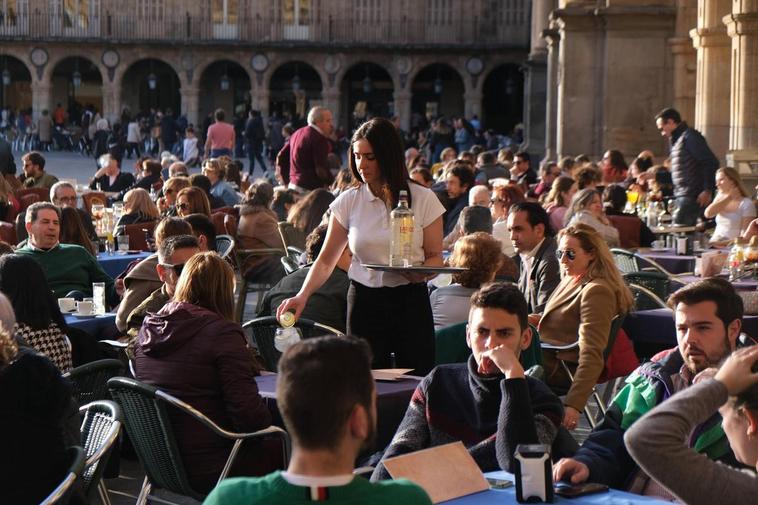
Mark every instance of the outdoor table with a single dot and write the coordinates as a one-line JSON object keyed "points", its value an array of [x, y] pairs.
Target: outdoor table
{"points": [[656, 327], [116, 263], [665, 230], [669, 260], [747, 284], [392, 399], [508, 495], [101, 327]]}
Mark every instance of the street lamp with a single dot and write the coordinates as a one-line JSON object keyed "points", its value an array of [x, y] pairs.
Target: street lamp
{"points": [[6, 77], [368, 85], [438, 86], [225, 83], [76, 79], [152, 81]]}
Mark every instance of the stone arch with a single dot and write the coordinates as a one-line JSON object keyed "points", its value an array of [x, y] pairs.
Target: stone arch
{"points": [[18, 93], [503, 97], [428, 98], [65, 90], [282, 96], [215, 94], [136, 93], [361, 100]]}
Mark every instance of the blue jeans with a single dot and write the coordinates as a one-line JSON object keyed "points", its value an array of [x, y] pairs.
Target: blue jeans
{"points": [[687, 211], [215, 153]]}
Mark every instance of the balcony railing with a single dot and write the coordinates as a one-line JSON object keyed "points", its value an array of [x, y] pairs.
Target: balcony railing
{"points": [[188, 29]]}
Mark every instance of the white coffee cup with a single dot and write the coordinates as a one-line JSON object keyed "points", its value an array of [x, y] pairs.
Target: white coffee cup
{"points": [[84, 308], [67, 304]]}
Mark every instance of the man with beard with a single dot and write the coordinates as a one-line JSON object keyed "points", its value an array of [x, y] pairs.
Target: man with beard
{"points": [[708, 318], [326, 395]]}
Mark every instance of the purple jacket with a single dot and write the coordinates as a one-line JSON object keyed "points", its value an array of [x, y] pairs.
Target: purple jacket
{"points": [[202, 359]]}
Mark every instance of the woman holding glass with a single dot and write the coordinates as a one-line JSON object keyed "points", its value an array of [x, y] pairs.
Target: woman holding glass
{"points": [[389, 309], [587, 208]]}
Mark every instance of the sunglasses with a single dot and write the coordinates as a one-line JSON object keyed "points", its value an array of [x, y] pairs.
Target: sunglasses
{"points": [[176, 268], [183, 206], [168, 191], [571, 255]]}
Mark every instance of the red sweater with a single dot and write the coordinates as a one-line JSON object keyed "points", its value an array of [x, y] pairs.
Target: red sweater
{"points": [[308, 150]]}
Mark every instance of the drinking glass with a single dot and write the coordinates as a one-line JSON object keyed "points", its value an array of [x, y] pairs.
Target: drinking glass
{"points": [[98, 297]]}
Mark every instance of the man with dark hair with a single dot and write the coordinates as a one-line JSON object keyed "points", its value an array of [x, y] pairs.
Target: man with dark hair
{"points": [[173, 253], [529, 228], [693, 166], [708, 316], [204, 230], [326, 395], [255, 134], [328, 304], [458, 182], [220, 137], [521, 171], [307, 150], [488, 403], [488, 168], [143, 279], [34, 175], [587, 178], [70, 269]]}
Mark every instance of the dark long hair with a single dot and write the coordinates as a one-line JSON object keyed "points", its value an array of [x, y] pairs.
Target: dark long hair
{"points": [[72, 230], [307, 213], [388, 149], [24, 283]]}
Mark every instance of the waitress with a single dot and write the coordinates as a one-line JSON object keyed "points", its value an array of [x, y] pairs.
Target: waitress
{"points": [[391, 310]]}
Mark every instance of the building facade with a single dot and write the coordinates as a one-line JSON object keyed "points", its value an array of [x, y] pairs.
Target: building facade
{"points": [[400, 57]]}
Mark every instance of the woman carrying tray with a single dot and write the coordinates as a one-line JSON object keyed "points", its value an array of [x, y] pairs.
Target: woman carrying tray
{"points": [[390, 310]]}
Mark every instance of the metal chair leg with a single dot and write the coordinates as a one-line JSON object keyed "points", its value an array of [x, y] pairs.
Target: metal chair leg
{"points": [[144, 492], [103, 492]]}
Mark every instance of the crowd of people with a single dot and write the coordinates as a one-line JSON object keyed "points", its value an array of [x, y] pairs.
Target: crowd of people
{"points": [[535, 246]]}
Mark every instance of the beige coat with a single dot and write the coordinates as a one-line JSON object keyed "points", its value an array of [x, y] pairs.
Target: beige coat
{"points": [[257, 231], [582, 310]]}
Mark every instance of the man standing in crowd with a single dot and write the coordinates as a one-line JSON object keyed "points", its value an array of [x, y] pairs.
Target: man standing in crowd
{"points": [[220, 137], [521, 171], [255, 134], [7, 163], [308, 149], [488, 403], [70, 269], [693, 166], [458, 182], [529, 228], [326, 395], [488, 168], [34, 172], [708, 316]]}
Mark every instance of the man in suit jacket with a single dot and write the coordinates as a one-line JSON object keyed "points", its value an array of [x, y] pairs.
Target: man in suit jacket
{"points": [[529, 227]]}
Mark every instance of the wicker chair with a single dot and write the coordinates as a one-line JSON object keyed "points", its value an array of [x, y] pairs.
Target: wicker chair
{"points": [[90, 381], [263, 330], [146, 419], [91, 198], [100, 428], [224, 245], [650, 289], [61, 493], [290, 266], [247, 286]]}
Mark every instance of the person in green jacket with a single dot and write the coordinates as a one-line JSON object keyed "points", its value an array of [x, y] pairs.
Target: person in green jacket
{"points": [[326, 395]]}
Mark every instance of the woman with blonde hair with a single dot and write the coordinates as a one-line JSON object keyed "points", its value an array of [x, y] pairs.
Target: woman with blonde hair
{"points": [[138, 208], [192, 200], [167, 203], [558, 200], [480, 254], [590, 294], [733, 208], [587, 208], [193, 349]]}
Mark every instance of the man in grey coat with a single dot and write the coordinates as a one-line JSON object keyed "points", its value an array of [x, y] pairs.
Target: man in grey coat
{"points": [[529, 227]]}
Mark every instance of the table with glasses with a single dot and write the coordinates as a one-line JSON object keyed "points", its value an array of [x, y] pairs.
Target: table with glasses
{"points": [[392, 399], [668, 259], [508, 495], [116, 263]]}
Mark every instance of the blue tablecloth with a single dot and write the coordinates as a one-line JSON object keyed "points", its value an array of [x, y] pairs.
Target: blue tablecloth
{"points": [[657, 326], [115, 264], [503, 496], [669, 260], [100, 327]]}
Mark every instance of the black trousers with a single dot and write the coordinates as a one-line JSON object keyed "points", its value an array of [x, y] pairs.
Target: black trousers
{"points": [[394, 320]]}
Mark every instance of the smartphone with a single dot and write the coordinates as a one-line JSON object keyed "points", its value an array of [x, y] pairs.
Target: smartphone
{"points": [[572, 491], [499, 483]]}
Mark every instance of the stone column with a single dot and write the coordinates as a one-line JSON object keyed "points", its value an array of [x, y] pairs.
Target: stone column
{"points": [[472, 103], [552, 37], [259, 98], [41, 98], [402, 101], [331, 100], [713, 47], [684, 58], [111, 102], [742, 27], [190, 97], [535, 83]]}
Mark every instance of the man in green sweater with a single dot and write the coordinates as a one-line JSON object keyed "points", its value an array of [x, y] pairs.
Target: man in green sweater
{"points": [[68, 268], [326, 395]]}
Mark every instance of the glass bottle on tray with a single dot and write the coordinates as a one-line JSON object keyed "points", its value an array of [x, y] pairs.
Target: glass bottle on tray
{"points": [[401, 233]]}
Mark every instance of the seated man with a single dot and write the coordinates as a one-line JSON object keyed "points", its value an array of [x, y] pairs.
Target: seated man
{"points": [[143, 279], [325, 393], [70, 269], [34, 175], [173, 253], [487, 403], [328, 304], [708, 317], [63, 194], [204, 230]]}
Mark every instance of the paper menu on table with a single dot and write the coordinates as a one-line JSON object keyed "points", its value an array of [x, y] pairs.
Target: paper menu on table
{"points": [[445, 472], [389, 374]]}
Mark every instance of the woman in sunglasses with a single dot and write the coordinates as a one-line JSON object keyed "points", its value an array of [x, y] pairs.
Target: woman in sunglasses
{"points": [[591, 293], [192, 200], [167, 203]]}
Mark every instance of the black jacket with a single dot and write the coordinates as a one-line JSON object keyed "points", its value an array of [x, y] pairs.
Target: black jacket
{"points": [[693, 164], [540, 281]]}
